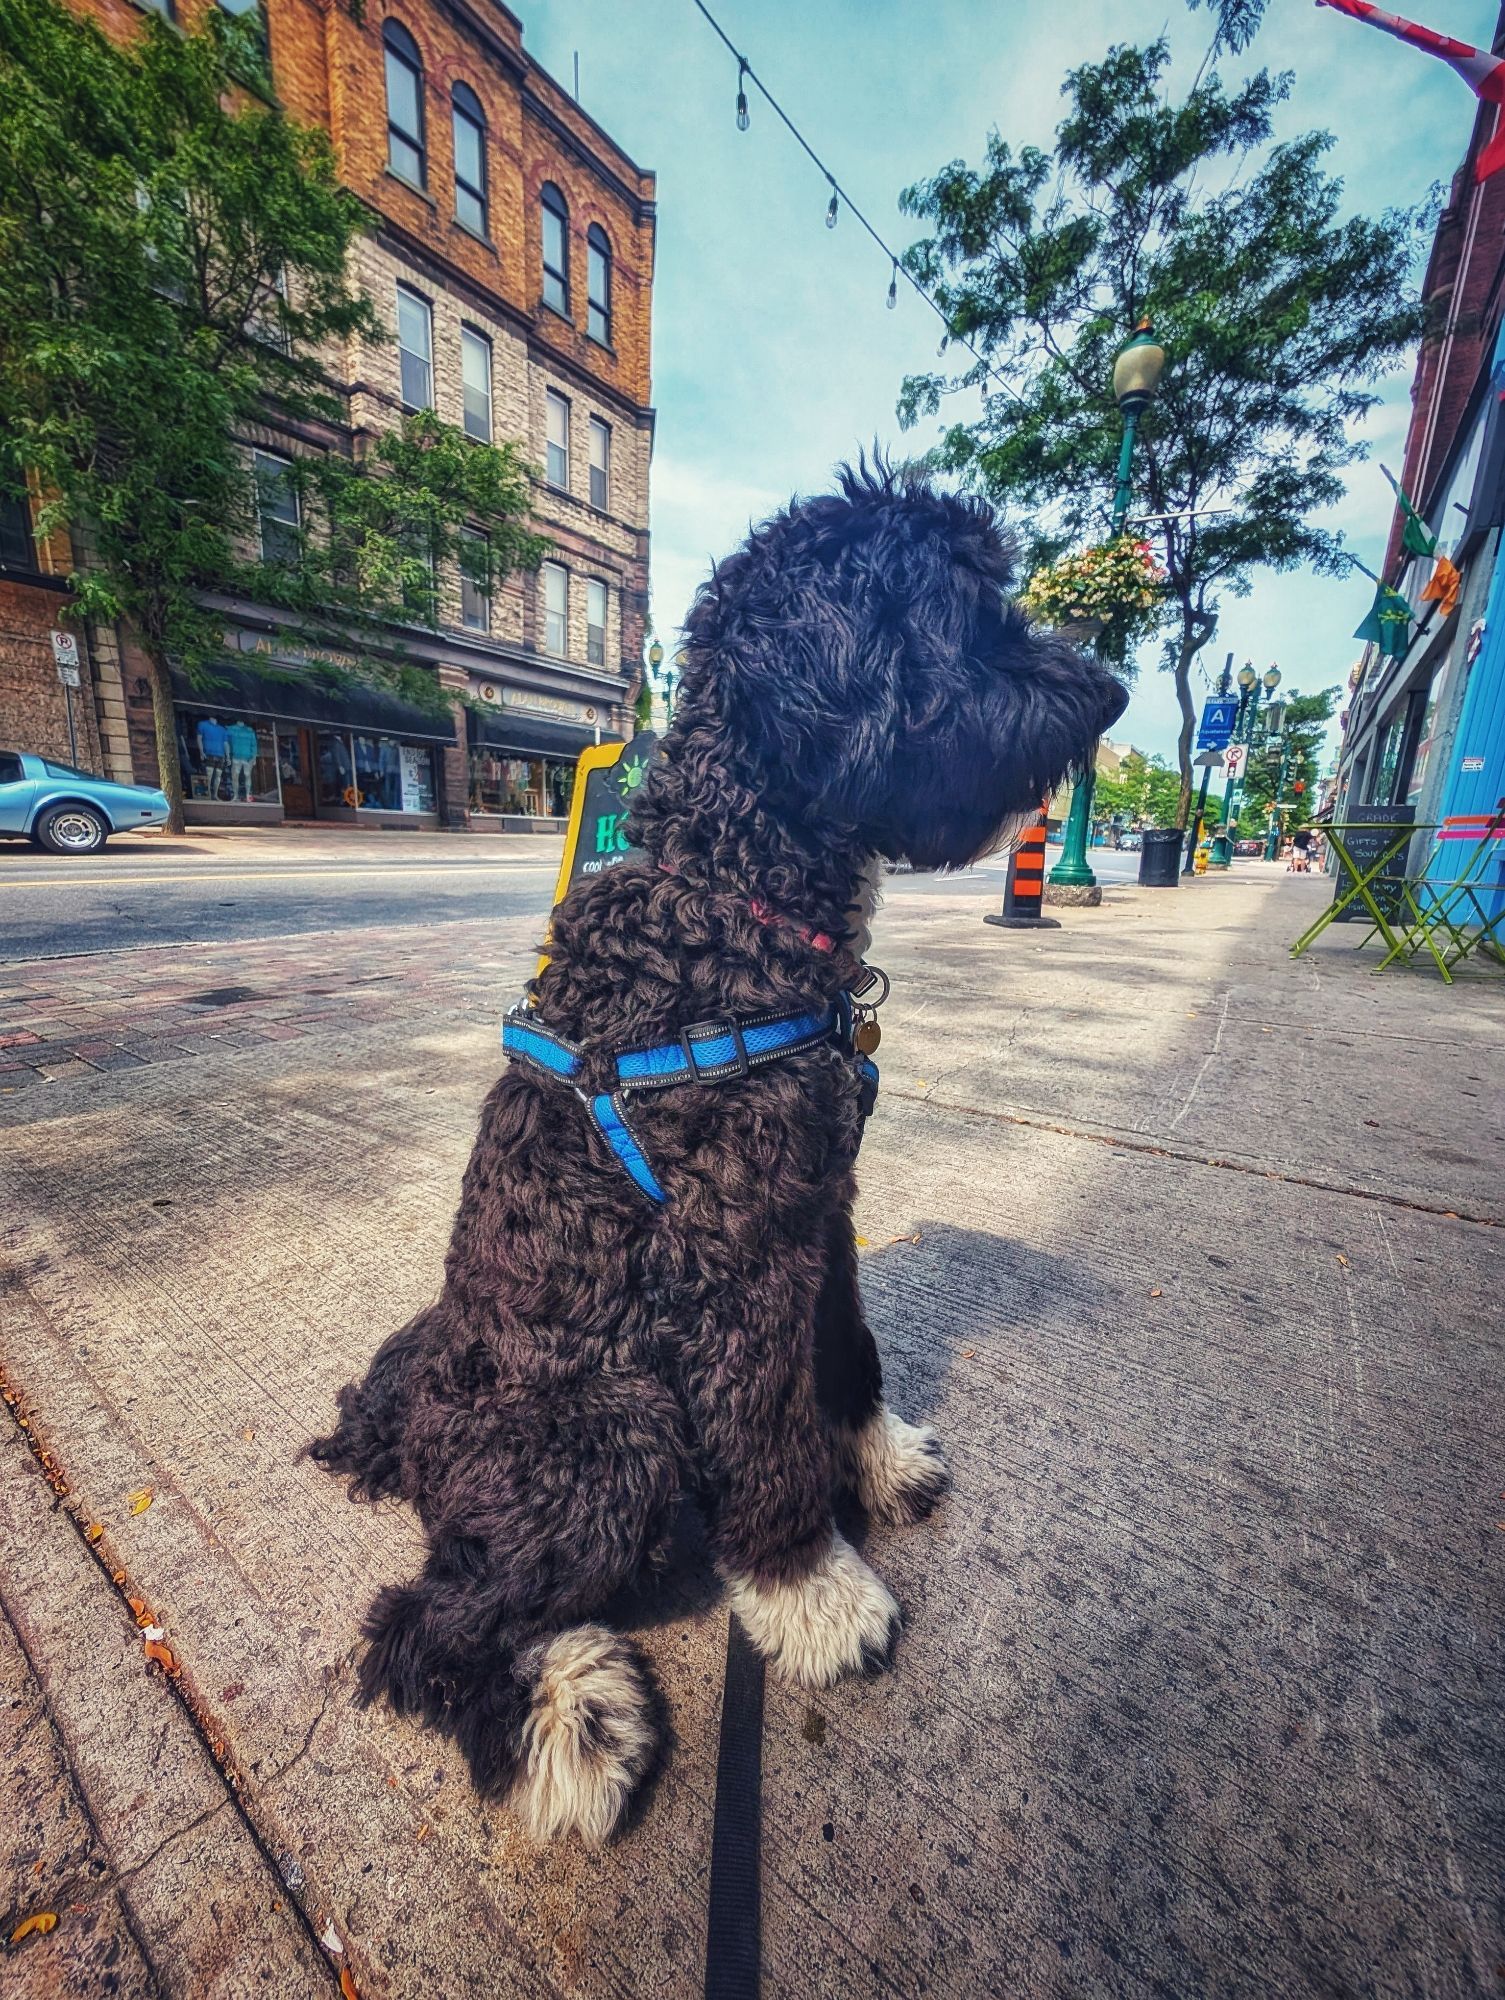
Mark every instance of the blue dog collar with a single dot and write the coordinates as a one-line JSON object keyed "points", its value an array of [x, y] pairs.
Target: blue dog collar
{"points": [[709, 1052]]}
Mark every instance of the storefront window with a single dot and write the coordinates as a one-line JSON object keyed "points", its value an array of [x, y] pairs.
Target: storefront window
{"points": [[336, 772], [537, 787], [374, 773], [227, 759]]}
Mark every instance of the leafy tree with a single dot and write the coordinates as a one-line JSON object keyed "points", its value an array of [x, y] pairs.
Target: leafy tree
{"points": [[1143, 789], [175, 255], [1298, 751], [1276, 315]]}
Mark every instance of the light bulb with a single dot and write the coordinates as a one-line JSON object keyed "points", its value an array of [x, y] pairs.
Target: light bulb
{"points": [[893, 289], [832, 212], [945, 343], [742, 119]]}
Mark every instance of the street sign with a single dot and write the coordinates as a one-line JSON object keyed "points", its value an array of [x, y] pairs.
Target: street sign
{"points": [[1237, 753], [1209, 760], [65, 654], [1218, 717]]}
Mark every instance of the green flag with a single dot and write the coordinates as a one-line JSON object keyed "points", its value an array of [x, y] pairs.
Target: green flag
{"points": [[1389, 620], [1416, 536]]}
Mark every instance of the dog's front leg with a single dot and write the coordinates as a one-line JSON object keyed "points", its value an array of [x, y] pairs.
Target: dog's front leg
{"points": [[896, 1469], [809, 1602]]}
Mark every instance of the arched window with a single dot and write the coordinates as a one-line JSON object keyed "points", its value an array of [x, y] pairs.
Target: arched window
{"points": [[556, 248], [598, 284], [405, 148], [470, 158]]}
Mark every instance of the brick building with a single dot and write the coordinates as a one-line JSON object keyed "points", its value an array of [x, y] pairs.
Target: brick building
{"points": [[1401, 741], [511, 262]]}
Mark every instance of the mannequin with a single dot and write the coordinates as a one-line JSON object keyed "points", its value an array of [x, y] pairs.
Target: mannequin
{"points": [[214, 749], [243, 749]]}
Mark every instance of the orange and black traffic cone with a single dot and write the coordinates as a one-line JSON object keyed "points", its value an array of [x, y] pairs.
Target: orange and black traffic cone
{"points": [[1024, 891]]}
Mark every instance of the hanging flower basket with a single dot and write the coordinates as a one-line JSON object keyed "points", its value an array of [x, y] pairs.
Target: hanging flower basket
{"points": [[1118, 583]]}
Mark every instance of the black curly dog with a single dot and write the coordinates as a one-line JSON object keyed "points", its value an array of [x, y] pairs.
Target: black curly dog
{"points": [[858, 685]]}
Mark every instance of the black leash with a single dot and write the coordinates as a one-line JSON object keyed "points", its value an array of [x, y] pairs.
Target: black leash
{"points": [[733, 1927]]}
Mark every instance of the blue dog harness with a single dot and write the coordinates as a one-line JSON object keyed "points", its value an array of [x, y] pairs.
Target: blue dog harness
{"points": [[709, 1052]]}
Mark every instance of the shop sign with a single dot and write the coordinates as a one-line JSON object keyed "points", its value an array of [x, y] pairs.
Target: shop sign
{"points": [[607, 779], [264, 644], [1472, 764], [547, 704], [1366, 841]]}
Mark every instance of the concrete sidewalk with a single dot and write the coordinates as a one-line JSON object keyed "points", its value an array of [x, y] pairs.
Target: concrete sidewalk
{"points": [[1192, 1253]]}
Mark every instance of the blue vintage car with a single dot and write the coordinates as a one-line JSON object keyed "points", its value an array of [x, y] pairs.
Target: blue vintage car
{"points": [[67, 811]]}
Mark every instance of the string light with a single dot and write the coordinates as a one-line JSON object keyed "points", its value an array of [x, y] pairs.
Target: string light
{"points": [[839, 195]]}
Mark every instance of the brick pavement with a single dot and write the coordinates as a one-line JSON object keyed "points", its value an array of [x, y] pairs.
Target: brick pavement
{"points": [[60, 1021]]}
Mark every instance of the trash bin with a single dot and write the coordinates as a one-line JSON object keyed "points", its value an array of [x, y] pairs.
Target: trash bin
{"points": [[1160, 857]]}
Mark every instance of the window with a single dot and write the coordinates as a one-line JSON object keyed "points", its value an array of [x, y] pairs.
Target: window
{"points": [[420, 584], [405, 149], [557, 455], [600, 434], [598, 285], [475, 586], [595, 622], [556, 249], [470, 158], [276, 508], [256, 53], [18, 549], [556, 609], [415, 347], [12, 770], [475, 380]]}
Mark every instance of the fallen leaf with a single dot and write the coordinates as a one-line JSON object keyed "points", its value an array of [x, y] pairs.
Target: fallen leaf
{"points": [[423, 1834], [348, 1985], [968, 1352], [93, 1532], [1157, 1293], [860, 1241], [155, 1650], [249, 1435], [138, 1606], [40, 1924], [329, 1937], [1342, 1260], [117, 1576], [140, 1500]]}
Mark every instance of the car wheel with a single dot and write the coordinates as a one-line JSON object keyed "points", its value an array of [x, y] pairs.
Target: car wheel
{"points": [[72, 830]]}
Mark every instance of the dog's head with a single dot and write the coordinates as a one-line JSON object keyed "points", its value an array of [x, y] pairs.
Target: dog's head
{"points": [[869, 672]]}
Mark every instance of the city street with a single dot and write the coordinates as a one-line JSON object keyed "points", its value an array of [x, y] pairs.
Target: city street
{"points": [[1191, 1261]]}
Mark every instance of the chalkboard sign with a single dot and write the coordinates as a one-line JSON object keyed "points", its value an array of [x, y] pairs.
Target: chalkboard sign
{"points": [[607, 780], [1366, 840]]}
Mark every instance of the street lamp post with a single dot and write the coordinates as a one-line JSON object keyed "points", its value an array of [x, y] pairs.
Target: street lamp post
{"points": [[1243, 733], [1136, 380]]}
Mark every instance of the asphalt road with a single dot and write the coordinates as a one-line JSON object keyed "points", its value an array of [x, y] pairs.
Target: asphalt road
{"points": [[222, 886]]}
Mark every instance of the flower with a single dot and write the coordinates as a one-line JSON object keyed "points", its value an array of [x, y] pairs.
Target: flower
{"points": [[1119, 580]]}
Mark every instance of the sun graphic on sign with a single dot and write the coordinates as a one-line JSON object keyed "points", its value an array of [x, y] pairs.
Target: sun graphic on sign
{"points": [[630, 776]]}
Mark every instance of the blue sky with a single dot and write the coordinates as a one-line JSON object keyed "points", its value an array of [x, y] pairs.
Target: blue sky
{"points": [[774, 355]]}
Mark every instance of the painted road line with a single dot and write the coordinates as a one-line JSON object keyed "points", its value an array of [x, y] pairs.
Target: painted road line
{"points": [[287, 875]]}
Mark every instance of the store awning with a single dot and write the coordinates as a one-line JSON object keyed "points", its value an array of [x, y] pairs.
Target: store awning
{"points": [[523, 735], [371, 710]]}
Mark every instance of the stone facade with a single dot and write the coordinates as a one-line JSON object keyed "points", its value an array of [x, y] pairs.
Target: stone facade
{"points": [[328, 67]]}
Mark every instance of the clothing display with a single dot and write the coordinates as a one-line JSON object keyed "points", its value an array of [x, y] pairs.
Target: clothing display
{"points": [[214, 740]]}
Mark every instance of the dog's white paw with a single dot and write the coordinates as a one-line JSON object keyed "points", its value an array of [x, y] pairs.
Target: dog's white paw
{"points": [[839, 1619], [896, 1469], [590, 1735]]}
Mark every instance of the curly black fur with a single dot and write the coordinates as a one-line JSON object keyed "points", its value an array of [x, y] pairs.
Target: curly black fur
{"points": [[857, 681]]}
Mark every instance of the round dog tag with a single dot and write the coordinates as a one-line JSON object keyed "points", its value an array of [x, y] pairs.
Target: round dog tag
{"points": [[868, 1036]]}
